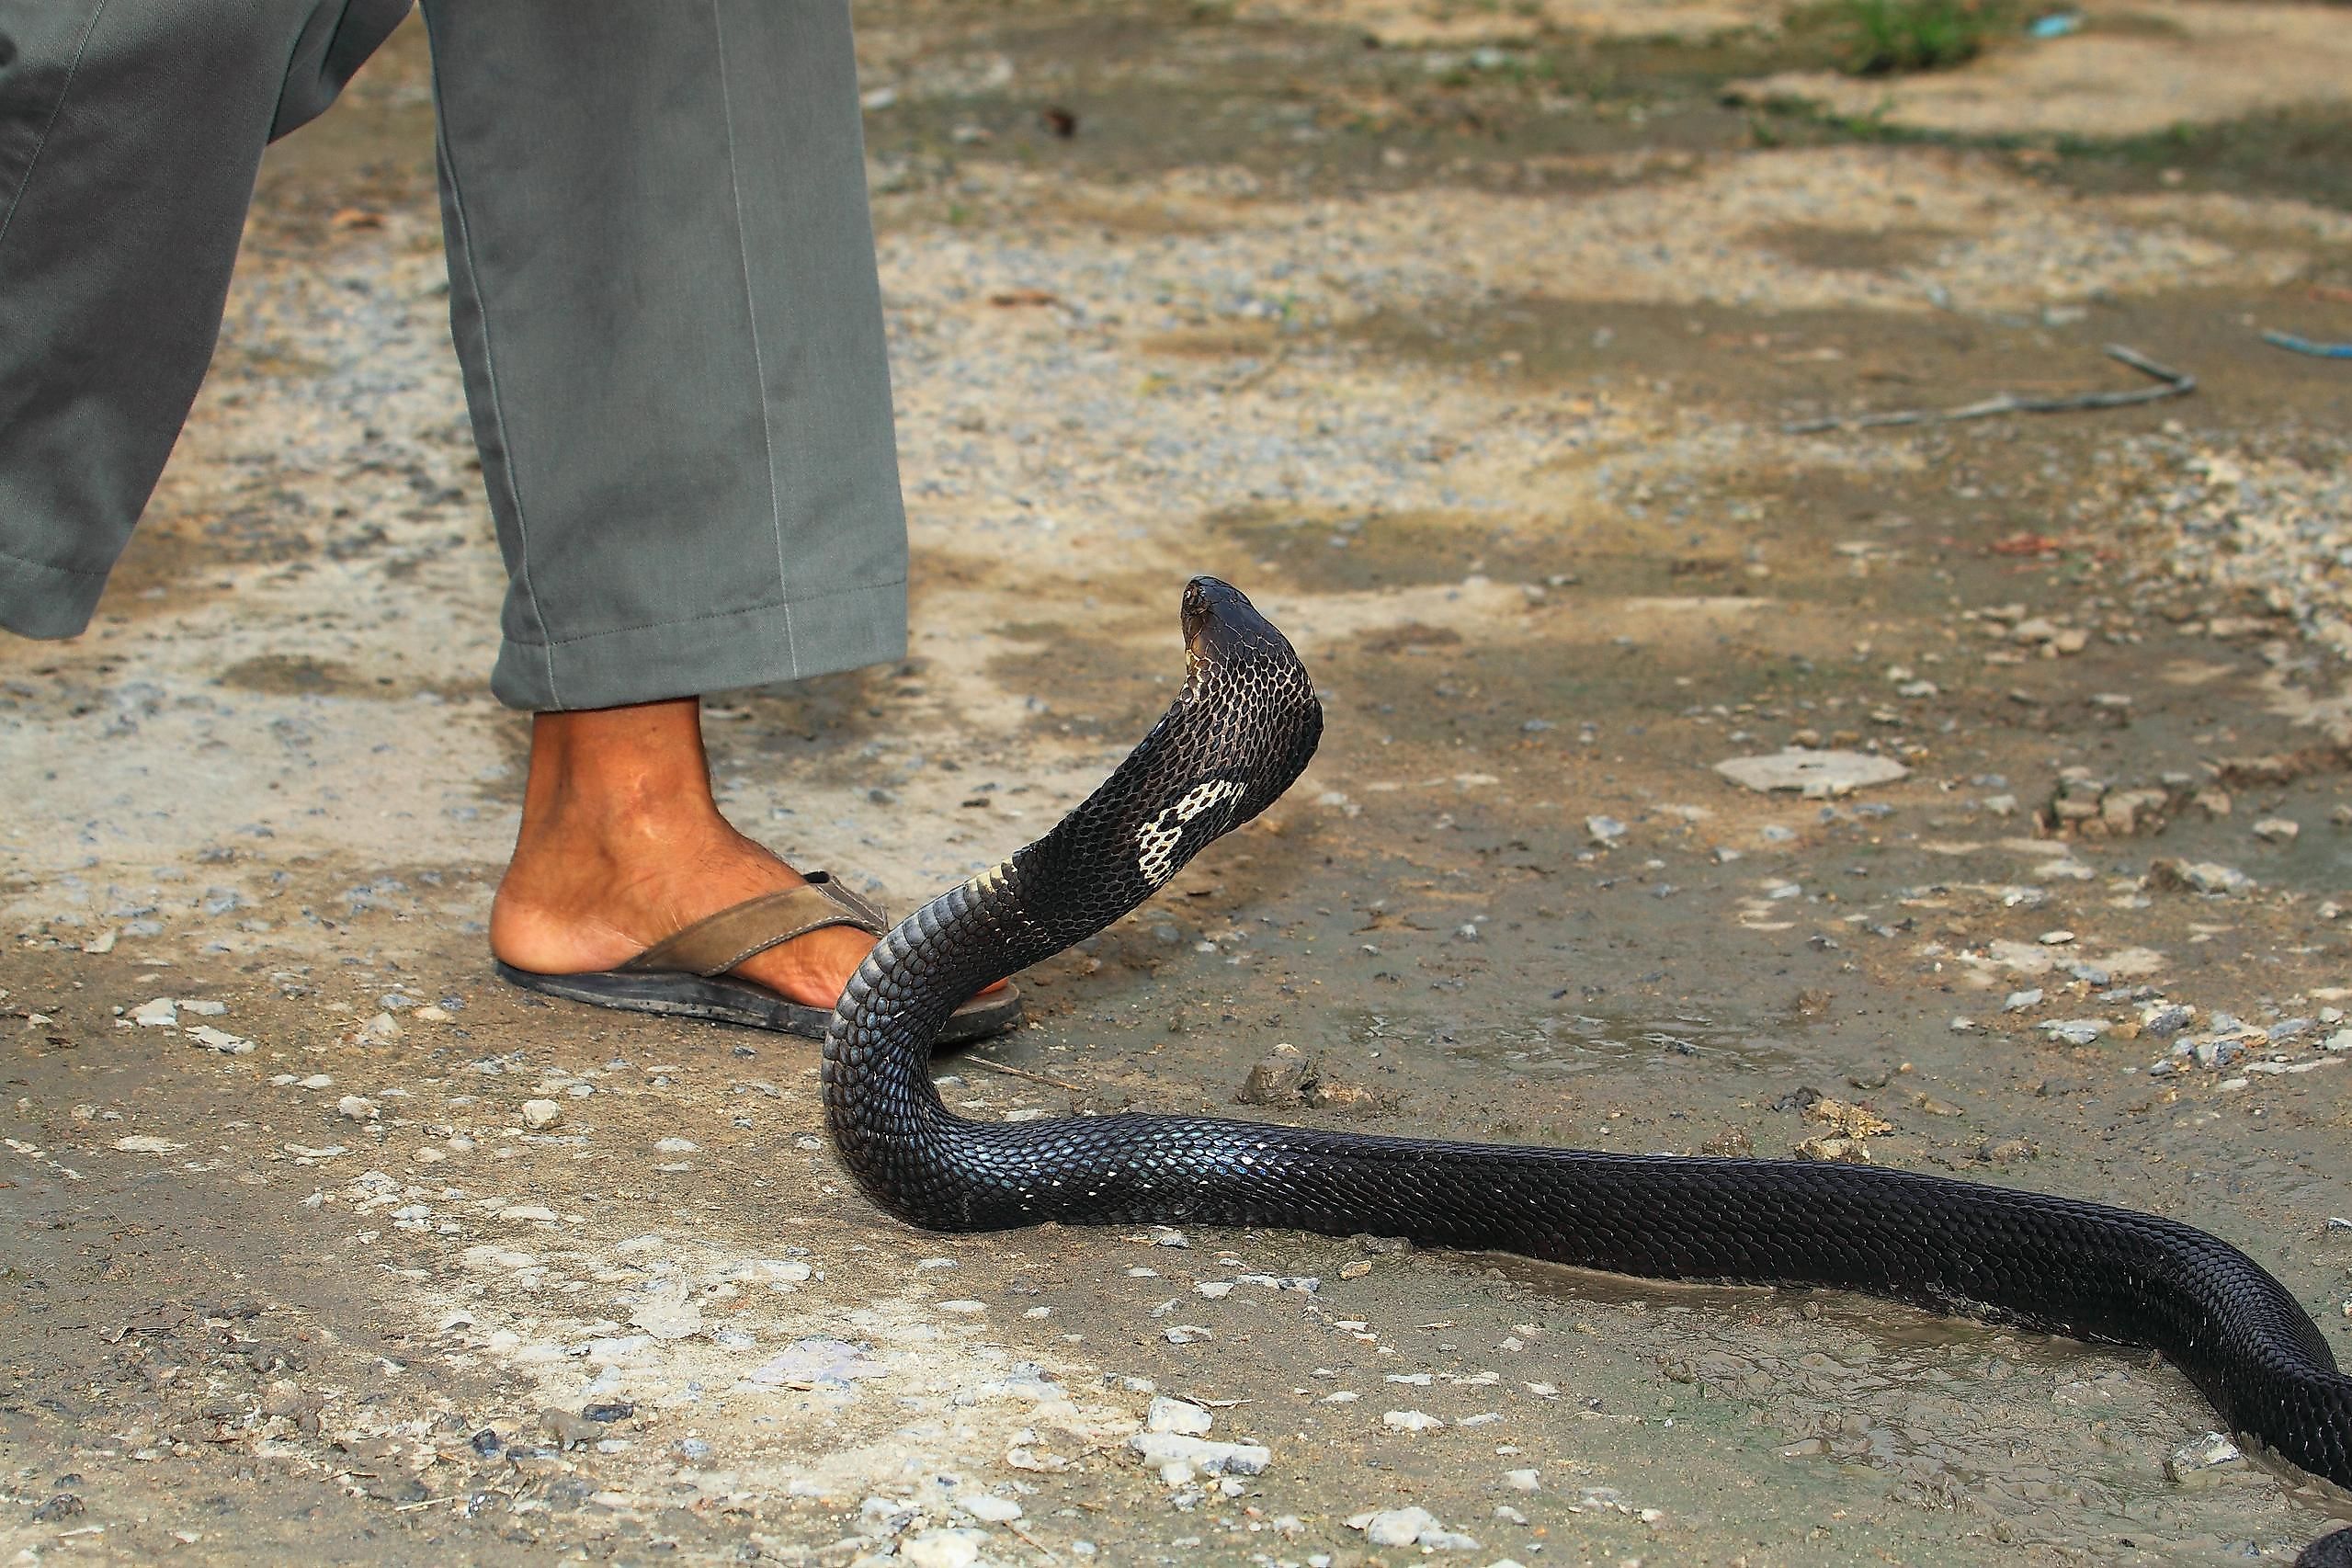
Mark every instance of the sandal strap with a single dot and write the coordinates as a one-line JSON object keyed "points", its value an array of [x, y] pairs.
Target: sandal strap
{"points": [[717, 943]]}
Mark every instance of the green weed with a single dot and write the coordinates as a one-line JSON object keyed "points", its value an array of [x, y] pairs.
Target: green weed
{"points": [[1883, 38]]}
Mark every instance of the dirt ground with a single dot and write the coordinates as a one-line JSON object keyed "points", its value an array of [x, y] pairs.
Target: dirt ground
{"points": [[1470, 348]]}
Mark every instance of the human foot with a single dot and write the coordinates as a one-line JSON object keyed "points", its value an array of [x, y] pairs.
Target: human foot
{"points": [[591, 900], [622, 846]]}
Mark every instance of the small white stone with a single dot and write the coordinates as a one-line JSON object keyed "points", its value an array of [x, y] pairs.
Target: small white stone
{"points": [[142, 1143], [993, 1509], [161, 1013], [1398, 1526], [356, 1109], [539, 1115], [1179, 1415], [942, 1549], [1411, 1421], [965, 1308], [676, 1146]]}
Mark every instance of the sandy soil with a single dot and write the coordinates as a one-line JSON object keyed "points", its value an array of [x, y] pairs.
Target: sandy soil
{"points": [[1478, 380]]}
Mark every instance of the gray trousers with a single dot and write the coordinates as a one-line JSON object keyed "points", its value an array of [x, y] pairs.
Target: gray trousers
{"points": [[661, 288]]}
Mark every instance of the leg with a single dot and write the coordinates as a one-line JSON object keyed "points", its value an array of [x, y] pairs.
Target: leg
{"points": [[663, 288], [130, 132]]}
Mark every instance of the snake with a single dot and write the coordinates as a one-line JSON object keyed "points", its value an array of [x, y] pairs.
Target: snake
{"points": [[1241, 730]]}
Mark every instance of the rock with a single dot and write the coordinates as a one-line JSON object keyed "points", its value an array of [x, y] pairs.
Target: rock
{"points": [[539, 1115], [1395, 1526], [1278, 1078], [1604, 830], [145, 1143], [569, 1431], [1815, 774], [993, 1510], [63, 1505], [161, 1013], [2197, 876], [1411, 1420], [2018, 1001], [221, 1040], [1160, 1449], [2076, 1031], [1847, 1120], [1177, 1416], [354, 1107], [2201, 1462], [942, 1549], [1836, 1150], [1523, 1480], [2278, 830]]}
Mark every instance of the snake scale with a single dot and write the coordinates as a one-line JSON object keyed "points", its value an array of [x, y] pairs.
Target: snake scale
{"points": [[1239, 732]]}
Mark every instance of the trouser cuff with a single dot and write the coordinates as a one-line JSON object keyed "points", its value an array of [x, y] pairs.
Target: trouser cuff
{"points": [[41, 600], [763, 645]]}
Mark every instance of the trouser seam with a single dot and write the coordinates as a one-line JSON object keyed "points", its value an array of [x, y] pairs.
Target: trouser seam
{"points": [[10, 555], [81, 49], [783, 605], [490, 377], [758, 355]]}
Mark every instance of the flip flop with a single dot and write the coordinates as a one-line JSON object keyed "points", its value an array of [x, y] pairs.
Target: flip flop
{"points": [[686, 976]]}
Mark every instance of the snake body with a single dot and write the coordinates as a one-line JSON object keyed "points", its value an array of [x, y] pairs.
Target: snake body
{"points": [[1240, 731]]}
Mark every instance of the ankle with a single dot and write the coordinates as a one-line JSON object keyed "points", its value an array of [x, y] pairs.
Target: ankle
{"points": [[634, 775]]}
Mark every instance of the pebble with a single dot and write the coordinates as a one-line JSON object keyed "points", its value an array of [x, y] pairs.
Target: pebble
{"points": [[1604, 830], [1523, 1480], [2076, 1031], [1817, 775], [1411, 1526], [2197, 876], [569, 1431], [2278, 830], [161, 1013], [2195, 1463], [2018, 1001], [355, 1107], [1411, 1421], [943, 1548], [1161, 1449], [987, 1506], [1178, 1415], [539, 1115]]}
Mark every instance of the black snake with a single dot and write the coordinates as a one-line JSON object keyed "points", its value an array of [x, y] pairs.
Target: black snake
{"points": [[1240, 731]]}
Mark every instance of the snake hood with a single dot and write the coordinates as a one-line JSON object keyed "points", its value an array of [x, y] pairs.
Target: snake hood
{"points": [[1239, 734]]}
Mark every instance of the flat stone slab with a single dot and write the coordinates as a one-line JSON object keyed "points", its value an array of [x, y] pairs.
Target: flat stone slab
{"points": [[1814, 773]]}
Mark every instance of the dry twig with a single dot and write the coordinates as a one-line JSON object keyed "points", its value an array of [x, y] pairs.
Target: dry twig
{"points": [[1012, 1072], [2170, 383]]}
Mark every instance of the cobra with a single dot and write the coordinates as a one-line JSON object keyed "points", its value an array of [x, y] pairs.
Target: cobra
{"points": [[1237, 735]]}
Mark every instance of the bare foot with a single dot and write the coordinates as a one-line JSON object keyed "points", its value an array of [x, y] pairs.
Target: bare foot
{"points": [[622, 846]]}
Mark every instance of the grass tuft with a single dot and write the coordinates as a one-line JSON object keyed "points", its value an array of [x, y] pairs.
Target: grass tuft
{"points": [[1885, 38]]}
